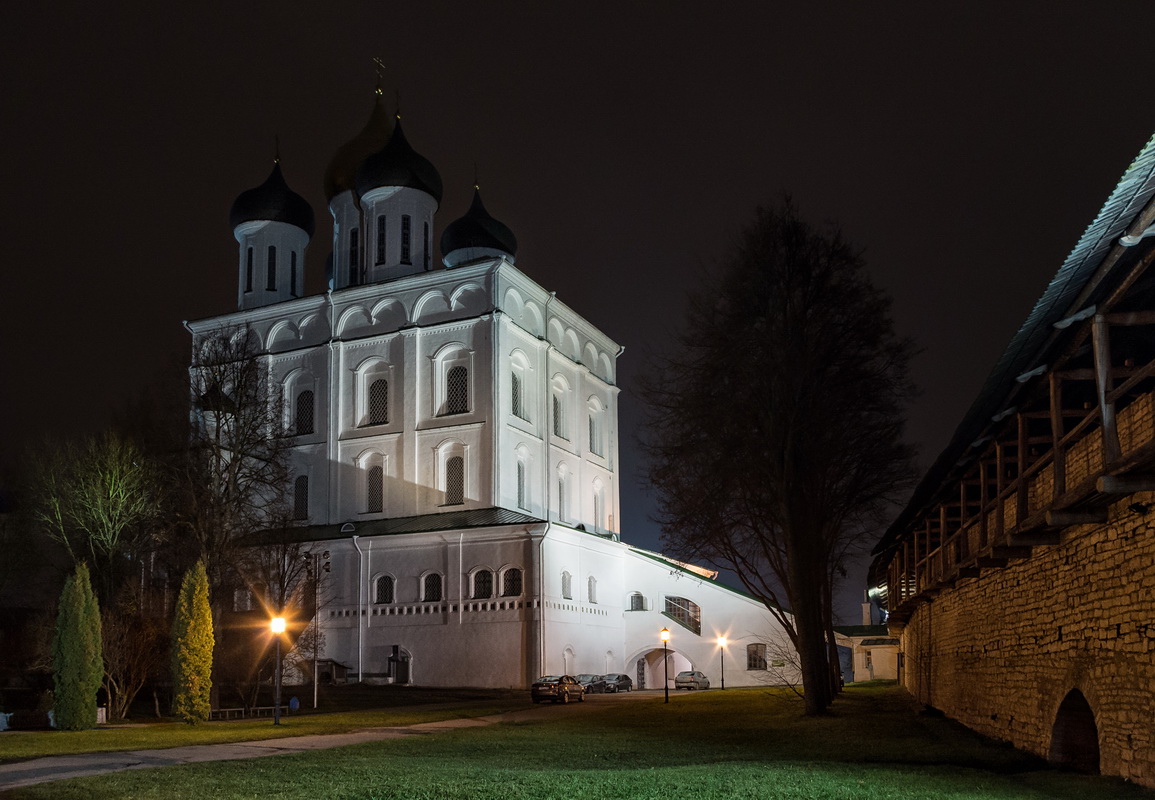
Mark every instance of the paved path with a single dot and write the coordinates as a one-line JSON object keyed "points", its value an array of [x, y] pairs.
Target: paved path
{"points": [[55, 768]]}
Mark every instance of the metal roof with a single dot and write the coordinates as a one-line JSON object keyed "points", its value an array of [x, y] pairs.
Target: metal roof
{"points": [[1075, 284], [422, 523]]}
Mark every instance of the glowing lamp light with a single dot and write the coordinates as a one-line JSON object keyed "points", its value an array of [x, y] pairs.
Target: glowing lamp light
{"points": [[665, 634], [277, 624]]}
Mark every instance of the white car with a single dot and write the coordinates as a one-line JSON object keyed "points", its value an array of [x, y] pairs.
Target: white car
{"points": [[691, 679]]}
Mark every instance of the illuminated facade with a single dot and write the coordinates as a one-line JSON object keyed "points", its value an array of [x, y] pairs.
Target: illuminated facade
{"points": [[455, 444]]}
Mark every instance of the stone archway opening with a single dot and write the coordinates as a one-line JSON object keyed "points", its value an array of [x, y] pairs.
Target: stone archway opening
{"points": [[1075, 736]]}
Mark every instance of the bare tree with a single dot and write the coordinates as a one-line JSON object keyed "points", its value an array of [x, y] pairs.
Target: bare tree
{"points": [[233, 480], [135, 651], [98, 497], [775, 431]]}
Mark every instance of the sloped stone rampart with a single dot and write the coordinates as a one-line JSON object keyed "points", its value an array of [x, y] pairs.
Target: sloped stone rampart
{"points": [[1000, 652]]}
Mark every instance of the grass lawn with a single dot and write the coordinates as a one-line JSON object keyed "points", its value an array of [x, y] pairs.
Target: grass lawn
{"points": [[745, 743]]}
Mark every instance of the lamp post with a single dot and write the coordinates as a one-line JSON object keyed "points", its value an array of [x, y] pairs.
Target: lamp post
{"points": [[722, 651], [665, 662], [277, 625]]}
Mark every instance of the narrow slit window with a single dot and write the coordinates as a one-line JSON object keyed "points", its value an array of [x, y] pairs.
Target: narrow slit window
{"points": [[271, 279], [518, 400], [375, 490], [558, 430], [381, 239], [249, 270], [354, 256], [405, 246], [426, 257], [293, 273], [301, 497], [521, 485], [455, 481], [305, 415]]}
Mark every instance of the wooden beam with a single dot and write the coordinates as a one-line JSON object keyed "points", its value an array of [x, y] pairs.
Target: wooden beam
{"points": [[1062, 519], [1101, 344], [1131, 318], [990, 562], [1125, 484], [1000, 484], [1021, 496], [984, 500]]}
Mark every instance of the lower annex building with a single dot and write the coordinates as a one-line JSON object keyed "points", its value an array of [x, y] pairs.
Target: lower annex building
{"points": [[454, 438]]}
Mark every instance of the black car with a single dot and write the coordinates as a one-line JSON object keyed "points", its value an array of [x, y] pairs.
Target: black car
{"points": [[618, 682], [593, 684], [558, 688]]}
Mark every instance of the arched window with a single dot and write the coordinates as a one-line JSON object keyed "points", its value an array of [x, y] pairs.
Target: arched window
{"points": [[304, 413], [405, 234], [384, 590], [379, 402], [511, 582], [301, 497], [755, 656], [271, 280], [598, 507], [455, 481], [597, 432], [637, 602], [592, 589], [558, 429], [457, 390], [567, 586], [375, 490], [482, 584], [431, 588]]}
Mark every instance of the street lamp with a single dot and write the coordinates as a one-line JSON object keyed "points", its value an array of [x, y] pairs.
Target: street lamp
{"points": [[666, 662], [277, 624], [722, 650]]}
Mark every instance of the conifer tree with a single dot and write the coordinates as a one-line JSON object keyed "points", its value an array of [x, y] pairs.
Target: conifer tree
{"points": [[192, 648], [77, 661]]}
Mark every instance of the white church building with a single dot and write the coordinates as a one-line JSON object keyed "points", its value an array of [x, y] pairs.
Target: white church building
{"points": [[455, 448]]}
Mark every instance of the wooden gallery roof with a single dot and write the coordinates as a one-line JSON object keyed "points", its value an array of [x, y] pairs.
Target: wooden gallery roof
{"points": [[1062, 426]]}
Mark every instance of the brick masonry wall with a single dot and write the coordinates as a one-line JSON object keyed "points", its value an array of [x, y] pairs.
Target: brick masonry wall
{"points": [[1000, 652]]}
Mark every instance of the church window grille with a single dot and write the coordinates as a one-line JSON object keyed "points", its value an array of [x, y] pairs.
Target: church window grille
{"points": [[384, 590], [405, 236], [304, 412], [637, 602], [755, 656], [455, 481], [558, 427], [271, 279], [561, 505], [566, 586], [518, 396], [431, 588], [595, 438], [482, 584], [380, 238], [511, 583], [354, 256], [521, 502], [379, 402], [293, 273], [375, 490], [685, 612], [457, 390], [426, 256], [249, 270], [597, 508], [592, 589], [301, 497]]}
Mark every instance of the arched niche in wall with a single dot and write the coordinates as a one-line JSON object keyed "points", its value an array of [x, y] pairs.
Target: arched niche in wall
{"points": [[433, 306]]}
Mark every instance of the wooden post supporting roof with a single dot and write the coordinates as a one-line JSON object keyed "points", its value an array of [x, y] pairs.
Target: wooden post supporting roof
{"points": [[1101, 344], [1021, 497], [1058, 453]]}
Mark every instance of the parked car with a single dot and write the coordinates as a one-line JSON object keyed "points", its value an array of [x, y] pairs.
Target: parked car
{"points": [[691, 679], [593, 684], [618, 682], [558, 688]]}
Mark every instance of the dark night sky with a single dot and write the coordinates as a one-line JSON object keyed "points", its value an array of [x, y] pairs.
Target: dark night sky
{"points": [[964, 146]]}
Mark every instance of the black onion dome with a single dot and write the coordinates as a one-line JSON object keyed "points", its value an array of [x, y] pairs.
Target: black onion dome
{"points": [[274, 201], [478, 230], [398, 164], [342, 170]]}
